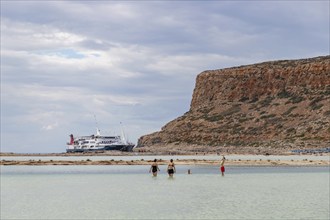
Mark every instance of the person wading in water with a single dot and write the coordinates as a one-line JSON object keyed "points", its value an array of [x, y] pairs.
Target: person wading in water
{"points": [[154, 168], [171, 168], [222, 165]]}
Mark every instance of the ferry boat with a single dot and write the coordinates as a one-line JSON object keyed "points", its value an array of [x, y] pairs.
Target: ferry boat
{"points": [[98, 142]]}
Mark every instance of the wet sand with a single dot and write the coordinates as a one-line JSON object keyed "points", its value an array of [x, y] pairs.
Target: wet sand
{"points": [[229, 162], [299, 161]]}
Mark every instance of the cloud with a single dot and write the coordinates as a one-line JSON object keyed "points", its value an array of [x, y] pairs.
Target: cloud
{"points": [[50, 126], [62, 62]]}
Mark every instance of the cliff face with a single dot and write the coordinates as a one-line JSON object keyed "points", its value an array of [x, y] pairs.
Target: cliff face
{"points": [[270, 106]]}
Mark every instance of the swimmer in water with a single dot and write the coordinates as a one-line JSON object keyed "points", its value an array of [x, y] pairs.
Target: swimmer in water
{"points": [[154, 168], [171, 168]]}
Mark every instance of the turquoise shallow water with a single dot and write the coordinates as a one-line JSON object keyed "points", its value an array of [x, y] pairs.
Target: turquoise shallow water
{"points": [[129, 192]]}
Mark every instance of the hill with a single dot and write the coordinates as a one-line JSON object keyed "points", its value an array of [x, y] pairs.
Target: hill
{"points": [[269, 107]]}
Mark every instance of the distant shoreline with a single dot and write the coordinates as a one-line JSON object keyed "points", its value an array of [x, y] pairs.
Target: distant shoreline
{"points": [[64, 154], [176, 152], [133, 153]]}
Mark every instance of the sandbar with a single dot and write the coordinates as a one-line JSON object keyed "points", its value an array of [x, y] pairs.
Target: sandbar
{"points": [[229, 162]]}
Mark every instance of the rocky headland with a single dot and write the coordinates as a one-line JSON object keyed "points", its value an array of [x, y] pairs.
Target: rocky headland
{"points": [[265, 108]]}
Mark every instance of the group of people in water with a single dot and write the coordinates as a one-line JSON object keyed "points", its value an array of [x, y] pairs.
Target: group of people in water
{"points": [[171, 168]]}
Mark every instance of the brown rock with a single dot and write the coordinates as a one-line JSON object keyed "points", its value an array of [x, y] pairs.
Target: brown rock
{"points": [[267, 107]]}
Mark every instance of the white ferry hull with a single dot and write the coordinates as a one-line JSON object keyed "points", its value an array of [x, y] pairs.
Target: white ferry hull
{"points": [[128, 148]]}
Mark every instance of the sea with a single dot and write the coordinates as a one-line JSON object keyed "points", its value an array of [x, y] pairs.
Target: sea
{"points": [[131, 192]]}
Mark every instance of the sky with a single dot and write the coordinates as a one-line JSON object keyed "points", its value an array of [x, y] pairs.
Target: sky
{"points": [[68, 67]]}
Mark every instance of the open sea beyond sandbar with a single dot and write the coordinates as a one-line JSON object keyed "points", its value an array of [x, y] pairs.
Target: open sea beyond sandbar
{"points": [[130, 192]]}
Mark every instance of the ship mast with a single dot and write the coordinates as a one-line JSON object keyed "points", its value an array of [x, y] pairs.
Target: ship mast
{"points": [[98, 133], [123, 138]]}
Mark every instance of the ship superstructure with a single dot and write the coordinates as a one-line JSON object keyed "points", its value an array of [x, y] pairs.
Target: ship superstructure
{"points": [[98, 142]]}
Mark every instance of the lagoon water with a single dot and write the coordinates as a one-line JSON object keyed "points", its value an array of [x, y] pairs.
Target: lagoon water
{"points": [[129, 192]]}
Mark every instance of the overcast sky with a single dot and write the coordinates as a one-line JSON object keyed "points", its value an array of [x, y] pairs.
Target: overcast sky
{"points": [[135, 62]]}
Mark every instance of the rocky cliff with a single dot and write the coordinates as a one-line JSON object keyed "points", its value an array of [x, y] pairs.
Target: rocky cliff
{"points": [[267, 107]]}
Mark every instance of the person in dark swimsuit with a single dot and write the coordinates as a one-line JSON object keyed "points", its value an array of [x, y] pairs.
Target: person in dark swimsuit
{"points": [[154, 168], [171, 168]]}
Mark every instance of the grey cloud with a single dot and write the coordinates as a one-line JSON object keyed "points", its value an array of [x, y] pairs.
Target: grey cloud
{"points": [[138, 60]]}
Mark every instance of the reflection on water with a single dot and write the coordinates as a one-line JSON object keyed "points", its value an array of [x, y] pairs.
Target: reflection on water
{"points": [[130, 192]]}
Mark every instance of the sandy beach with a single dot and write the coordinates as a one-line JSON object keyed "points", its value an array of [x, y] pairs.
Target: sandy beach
{"points": [[240, 160]]}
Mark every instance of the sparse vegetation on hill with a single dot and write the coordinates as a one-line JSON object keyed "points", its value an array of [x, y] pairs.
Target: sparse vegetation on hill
{"points": [[271, 106]]}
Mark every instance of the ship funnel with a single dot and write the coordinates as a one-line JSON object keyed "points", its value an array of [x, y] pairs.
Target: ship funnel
{"points": [[71, 139]]}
